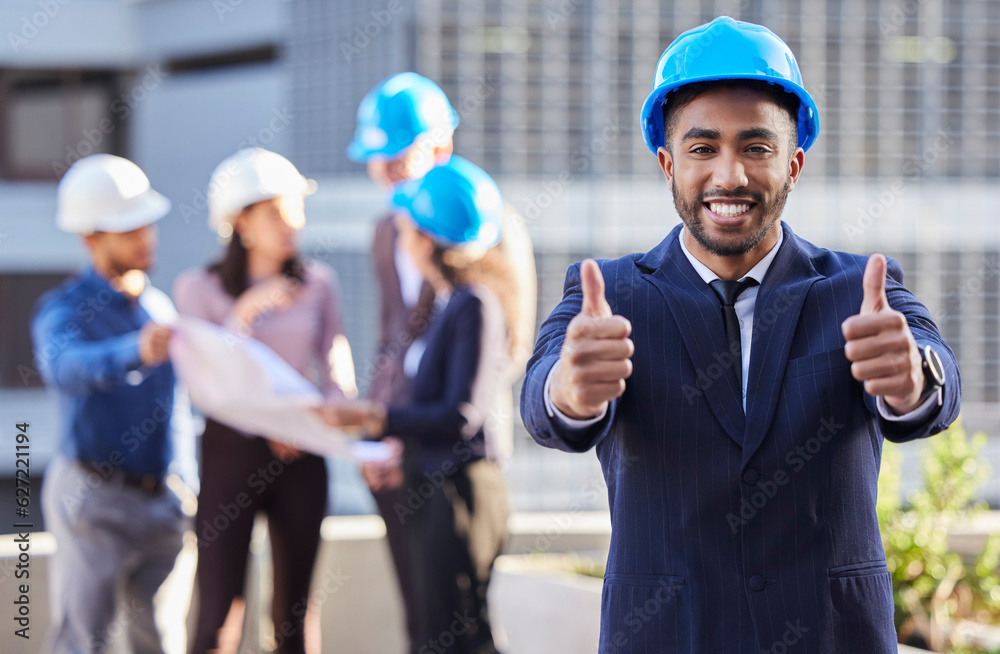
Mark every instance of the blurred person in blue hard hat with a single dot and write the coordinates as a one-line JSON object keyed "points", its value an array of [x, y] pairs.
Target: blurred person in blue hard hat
{"points": [[405, 127], [101, 345], [263, 288], [456, 501], [737, 382]]}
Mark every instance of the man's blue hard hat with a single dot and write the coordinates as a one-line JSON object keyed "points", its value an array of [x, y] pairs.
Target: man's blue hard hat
{"points": [[394, 113], [727, 49], [456, 203]]}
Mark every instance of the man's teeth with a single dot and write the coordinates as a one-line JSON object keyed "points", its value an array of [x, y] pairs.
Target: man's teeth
{"points": [[728, 210]]}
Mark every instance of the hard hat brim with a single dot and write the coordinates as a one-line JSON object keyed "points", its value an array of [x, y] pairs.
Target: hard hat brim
{"points": [[651, 117], [148, 208], [358, 153], [221, 217], [411, 197]]}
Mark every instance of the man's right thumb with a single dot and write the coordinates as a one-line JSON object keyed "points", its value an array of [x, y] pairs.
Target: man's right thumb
{"points": [[594, 302]]}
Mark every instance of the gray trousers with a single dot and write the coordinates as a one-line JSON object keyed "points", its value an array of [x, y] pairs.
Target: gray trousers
{"points": [[115, 545]]}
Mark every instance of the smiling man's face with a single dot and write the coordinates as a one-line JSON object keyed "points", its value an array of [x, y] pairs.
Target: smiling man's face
{"points": [[731, 166]]}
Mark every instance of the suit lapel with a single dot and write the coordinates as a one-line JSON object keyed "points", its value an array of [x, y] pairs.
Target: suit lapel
{"points": [[775, 317], [696, 310]]}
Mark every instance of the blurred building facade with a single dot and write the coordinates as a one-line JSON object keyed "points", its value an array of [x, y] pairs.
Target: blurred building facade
{"points": [[907, 163]]}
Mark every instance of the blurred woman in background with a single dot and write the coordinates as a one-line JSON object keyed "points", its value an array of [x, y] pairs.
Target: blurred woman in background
{"points": [[448, 221], [262, 288]]}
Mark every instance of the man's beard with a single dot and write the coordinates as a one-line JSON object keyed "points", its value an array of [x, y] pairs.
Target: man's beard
{"points": [[119, 266], [690, 213]]}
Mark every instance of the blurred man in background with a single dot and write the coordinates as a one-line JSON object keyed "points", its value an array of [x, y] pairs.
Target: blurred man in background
{"points": [[101, 347], [405, 127]]}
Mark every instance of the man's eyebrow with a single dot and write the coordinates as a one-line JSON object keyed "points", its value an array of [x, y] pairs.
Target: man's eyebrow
{"points": [[757, 133], [702, 133]]}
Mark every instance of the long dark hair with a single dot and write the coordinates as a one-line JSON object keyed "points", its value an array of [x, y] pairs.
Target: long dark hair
{"points": [[494, 271], [232, 267]]}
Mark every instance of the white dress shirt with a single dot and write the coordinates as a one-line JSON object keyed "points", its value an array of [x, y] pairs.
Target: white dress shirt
{"points": [[744, 312], [410, 279]]}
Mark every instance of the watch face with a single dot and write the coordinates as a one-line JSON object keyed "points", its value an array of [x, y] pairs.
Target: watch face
{"points": [[934, 366]]}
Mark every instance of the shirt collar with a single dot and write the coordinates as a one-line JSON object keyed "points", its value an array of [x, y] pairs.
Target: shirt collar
{"points": [[96, 283], [441, 298], [757, 272]]}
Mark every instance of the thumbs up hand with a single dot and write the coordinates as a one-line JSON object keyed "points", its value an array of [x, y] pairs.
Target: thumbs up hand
{"points": [[881, 347], [595, 358]]}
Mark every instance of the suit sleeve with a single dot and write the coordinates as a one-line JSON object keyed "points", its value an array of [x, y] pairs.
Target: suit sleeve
{"points": [[453, 416], [925, 332], [548, 430]]}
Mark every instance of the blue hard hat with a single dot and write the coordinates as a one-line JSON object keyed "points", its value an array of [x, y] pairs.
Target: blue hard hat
{"points": [[394, 113], [456, 203], [727, 49]]}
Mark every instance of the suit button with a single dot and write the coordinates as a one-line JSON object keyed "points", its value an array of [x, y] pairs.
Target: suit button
{"points": [[757, 583], [750, 476]]}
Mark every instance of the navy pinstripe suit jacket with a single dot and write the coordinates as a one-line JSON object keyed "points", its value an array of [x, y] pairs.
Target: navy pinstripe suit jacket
{"points": [[735, 533]]}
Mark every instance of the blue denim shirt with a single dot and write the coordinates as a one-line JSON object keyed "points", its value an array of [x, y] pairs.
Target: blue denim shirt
{"points": [[114, 409]]}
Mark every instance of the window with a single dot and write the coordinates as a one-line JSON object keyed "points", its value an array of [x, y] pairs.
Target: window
{"points": [[49, 119], [18, 295]]}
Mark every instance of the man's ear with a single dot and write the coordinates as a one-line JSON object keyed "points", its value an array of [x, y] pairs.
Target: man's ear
{"points": [[795, 164], [426, 241], [90, 241], [666, 164]]}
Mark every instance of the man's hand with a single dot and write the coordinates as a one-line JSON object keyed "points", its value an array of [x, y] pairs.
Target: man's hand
{"points": [[595, 358], [386, 475], [880, 346], [283, 452], [365, 415], [153, 342]]}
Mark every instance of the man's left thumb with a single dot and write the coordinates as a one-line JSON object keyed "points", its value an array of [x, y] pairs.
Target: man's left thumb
{"points": [[874, 299]]}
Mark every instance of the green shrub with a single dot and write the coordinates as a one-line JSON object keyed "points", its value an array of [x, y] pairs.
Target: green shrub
{"points": [[931, 585]]}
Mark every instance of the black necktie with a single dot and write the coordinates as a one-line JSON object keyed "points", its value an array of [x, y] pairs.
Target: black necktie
{"points": [[728, 291]]}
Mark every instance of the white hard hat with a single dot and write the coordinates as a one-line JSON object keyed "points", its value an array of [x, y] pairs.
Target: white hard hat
{"points": [[247, 177], [105, 193]]}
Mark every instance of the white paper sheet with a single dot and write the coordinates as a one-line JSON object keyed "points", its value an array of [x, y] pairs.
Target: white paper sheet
{"points": [[244, 384]]}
